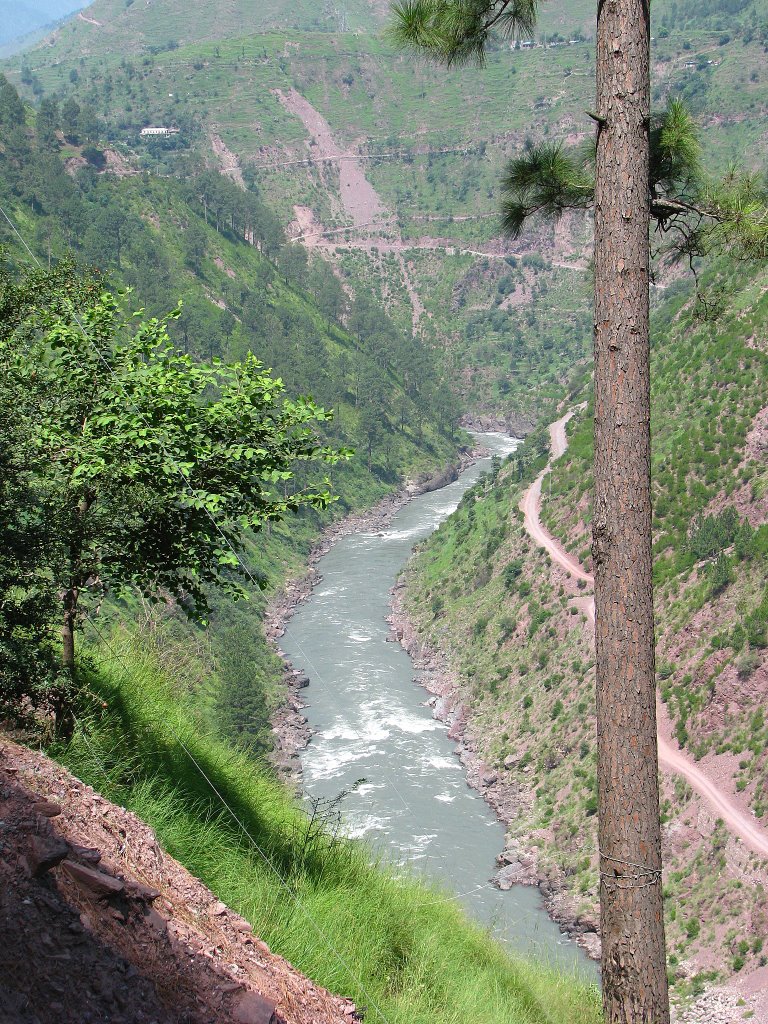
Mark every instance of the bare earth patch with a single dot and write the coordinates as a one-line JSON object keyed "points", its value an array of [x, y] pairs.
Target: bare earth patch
{"points": [[99, 924]]}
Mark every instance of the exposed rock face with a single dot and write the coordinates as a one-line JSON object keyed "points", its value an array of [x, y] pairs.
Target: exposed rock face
{"points": [[514, 424], [435, 481]]}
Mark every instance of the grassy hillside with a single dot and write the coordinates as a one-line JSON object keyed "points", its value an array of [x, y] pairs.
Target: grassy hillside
{"points": [[515, 630], [399, 948]]}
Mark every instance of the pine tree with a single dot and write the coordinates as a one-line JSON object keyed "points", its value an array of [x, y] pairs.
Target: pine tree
{"points": [[638, 167]]}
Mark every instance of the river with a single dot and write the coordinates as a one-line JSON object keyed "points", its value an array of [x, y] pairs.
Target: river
{"points": [[370, 722]]}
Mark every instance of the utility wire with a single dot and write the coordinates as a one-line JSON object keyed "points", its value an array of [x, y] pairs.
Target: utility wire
{"points": [[249, 836]]}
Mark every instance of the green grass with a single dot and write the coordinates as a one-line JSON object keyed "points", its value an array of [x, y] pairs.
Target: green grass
{"points": [[350, 924]]}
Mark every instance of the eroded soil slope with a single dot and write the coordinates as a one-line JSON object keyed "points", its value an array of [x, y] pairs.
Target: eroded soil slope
{"points": [[98, 924]]}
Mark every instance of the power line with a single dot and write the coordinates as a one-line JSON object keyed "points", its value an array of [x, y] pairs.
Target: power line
{"points": [[248, 834]]}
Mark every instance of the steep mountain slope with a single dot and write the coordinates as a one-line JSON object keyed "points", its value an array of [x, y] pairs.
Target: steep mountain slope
{"points": [[517, 631], [430, 143], [213, 247]]}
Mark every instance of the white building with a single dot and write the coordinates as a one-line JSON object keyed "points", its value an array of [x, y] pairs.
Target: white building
{"points": [[159, 131]]}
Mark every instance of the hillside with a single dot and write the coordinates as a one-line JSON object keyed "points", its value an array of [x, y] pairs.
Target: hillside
{"points": [[389, 167], [315, 197], [517, 634], [18, 20], [222, 254], [114, 917]]}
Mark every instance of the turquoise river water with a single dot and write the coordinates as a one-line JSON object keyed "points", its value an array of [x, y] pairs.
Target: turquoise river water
{"points": [[370, 722]]}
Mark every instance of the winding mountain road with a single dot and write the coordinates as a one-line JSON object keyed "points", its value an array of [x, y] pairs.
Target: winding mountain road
{"points": [[671, 757]]}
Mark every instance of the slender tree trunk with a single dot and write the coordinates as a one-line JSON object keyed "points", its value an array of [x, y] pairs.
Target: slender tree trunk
{"points": [[64, 721], [632, 923], [68, 629]]}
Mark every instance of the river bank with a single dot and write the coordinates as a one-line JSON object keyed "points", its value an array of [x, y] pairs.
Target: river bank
{"points": [[518, 863]]}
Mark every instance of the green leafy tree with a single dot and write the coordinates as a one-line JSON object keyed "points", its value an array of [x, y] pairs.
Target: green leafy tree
{"points": [[30, 674], [152, 467], [70, 120], [47, 124], [195, 244], [28, 669]]}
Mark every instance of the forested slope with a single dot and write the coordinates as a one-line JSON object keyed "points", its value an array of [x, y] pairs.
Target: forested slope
{"points": [[221, 252], [517, 633], [431, 145]]}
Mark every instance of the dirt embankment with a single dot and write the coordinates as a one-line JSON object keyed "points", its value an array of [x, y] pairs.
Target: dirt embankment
{"points": [[98, 924]]}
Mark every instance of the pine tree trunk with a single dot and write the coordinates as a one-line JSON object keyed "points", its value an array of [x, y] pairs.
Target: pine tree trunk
{"points": [[632, 924]]}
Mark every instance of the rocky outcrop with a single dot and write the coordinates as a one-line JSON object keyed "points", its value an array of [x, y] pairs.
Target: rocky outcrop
{"points": [[514, 424], [433, 482]]}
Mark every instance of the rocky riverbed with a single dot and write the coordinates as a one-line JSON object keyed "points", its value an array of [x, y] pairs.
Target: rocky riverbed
{"points": [[292, 733], [518, 864]]}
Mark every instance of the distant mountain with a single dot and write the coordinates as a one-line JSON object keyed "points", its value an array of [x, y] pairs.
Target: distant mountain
{"points": [[18, 20], [287, 96]]}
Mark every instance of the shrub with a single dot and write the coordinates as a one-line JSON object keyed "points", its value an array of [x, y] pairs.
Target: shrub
{"points": [[720, 574], [480, 625], [747, 664], [94, 156], [709, 535]]}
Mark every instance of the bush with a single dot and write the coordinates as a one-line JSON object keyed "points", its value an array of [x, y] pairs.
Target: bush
{"points": [[94, 156], [511, 573], [709, 535], [479, 626], [748, 663]]}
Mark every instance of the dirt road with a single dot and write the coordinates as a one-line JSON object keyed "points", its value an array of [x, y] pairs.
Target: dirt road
{"points": [[671, 757]]}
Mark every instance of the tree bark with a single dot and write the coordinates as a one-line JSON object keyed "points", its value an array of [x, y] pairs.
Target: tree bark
{"points": [[632, 923], [68, 629]]}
